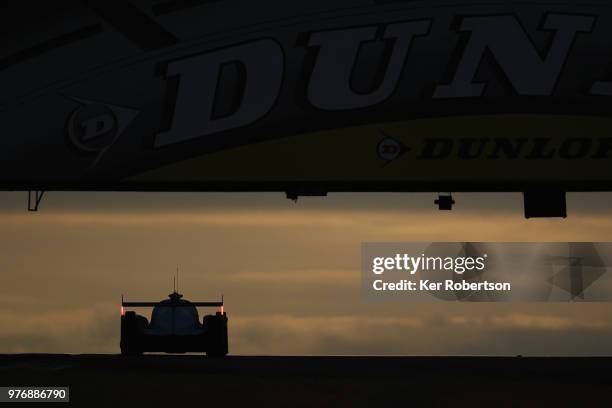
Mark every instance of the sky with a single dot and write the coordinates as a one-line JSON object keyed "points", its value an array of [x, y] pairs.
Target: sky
{"points": [[289, 272]]}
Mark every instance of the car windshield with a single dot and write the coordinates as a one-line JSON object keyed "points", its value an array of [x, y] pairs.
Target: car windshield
{"points": [[174, 320]]}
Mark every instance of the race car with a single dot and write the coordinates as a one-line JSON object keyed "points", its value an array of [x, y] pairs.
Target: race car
{"points": [[175, 327]]}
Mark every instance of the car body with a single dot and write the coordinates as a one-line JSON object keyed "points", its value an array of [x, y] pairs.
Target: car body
{"points": [[174, 328]]}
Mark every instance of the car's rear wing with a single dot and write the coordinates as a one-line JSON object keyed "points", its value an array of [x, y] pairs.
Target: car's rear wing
{"points": [[171, 304], [174, 302]]}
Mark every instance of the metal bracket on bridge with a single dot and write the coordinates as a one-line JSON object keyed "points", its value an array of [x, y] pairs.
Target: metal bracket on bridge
{"points": [[545, 203], [293, 195], [34, 198], [445, 202]]}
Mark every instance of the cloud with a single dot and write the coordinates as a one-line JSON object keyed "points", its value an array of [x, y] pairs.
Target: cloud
{"points": [[290, 334], [318, 277], [434, 332], [427, 334], [529, 322], [336, 226], [59, 331]]}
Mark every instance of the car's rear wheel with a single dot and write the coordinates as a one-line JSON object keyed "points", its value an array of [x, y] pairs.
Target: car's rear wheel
{"points": [[216, 329], [130, 335]]}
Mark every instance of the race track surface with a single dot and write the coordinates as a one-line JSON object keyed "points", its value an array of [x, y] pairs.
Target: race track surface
{"points": [[195, 380]]}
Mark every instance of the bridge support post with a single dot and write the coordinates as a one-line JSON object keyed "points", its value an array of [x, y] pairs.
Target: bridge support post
{"points": [[34, 198]]}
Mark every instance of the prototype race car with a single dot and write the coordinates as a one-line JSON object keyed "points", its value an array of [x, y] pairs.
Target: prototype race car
{"points": [[174, 328]]}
